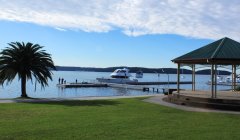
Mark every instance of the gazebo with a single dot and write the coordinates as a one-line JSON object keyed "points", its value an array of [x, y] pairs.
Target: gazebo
{"points": [[224, 51]]}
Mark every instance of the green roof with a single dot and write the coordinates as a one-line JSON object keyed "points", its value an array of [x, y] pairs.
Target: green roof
{"points": [[222, 51]]}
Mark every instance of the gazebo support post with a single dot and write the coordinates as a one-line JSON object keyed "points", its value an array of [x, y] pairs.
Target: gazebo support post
{"points": [[215, 82], [193, 77], [178, 77], [212, 78], [234, 79]]}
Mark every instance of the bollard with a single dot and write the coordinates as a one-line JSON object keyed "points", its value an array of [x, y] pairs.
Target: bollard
{"points": [[145, 89]]}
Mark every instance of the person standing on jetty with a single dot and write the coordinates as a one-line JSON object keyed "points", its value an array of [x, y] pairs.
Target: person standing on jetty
{"points": [[62, 80], [59, 80], [76, 81]]}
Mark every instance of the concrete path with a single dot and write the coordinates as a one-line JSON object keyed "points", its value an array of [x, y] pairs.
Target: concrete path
{"points": [[158, 100]]}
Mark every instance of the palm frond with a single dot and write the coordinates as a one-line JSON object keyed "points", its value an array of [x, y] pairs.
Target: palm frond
{"points": [[25, 59]]}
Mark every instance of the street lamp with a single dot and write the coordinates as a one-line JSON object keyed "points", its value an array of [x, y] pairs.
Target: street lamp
{"points": [[158, 75], [168, 79]]}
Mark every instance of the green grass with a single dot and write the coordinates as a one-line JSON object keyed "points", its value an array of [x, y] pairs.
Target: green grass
{"points": [[112, 119]]}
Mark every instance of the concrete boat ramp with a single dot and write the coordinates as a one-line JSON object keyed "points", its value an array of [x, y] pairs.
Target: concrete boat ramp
{"points": [[113, 85], [79, 85], [131, 84], [143, 86]]}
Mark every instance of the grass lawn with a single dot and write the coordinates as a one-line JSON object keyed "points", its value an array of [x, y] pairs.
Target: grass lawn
{"points": [[112, 119]]}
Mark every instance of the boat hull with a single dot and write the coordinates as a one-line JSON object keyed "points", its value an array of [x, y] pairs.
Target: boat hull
{"points": [[116, 80], [139, 75]]}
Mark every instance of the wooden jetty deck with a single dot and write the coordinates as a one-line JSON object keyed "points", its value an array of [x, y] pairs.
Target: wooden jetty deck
{"points": [[224, 84], [159, 83], [143, 88]]}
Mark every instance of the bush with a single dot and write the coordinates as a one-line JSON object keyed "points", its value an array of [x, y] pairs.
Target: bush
{"points": [[237, 88]]}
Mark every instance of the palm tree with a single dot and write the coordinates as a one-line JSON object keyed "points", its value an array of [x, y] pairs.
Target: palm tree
{"points": [[27, 61]]}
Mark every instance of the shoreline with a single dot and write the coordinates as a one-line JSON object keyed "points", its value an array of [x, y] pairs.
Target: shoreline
{"points": [[19, 100]]}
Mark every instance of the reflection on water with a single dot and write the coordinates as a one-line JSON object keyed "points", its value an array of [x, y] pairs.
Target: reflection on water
{"points": [[52, 91]]}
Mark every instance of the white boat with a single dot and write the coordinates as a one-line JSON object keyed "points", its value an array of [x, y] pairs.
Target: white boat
{"points": [[121, 73], [139, 74], [229, 79], [116, 80], [120, 76], [225, 80]]}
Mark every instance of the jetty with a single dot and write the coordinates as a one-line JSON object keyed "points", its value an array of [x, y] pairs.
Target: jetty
{"points": [[159, 83], [143, 88], [224, 84]]}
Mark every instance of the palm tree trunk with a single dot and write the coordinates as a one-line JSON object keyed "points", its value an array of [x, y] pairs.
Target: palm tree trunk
{"points": [[23, 84]]}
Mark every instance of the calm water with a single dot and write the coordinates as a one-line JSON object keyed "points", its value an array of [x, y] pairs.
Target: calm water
{"points": [[52, 91]]}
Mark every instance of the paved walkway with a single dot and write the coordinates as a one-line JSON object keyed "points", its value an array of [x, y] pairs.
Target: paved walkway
{"points": [[158, 100]]}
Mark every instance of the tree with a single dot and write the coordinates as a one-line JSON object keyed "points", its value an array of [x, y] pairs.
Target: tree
{"points": [[27, 61]]}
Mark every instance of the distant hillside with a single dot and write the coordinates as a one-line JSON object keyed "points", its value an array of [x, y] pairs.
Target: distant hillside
{"points": [[132, 69], [135, 69], [208, 72]]}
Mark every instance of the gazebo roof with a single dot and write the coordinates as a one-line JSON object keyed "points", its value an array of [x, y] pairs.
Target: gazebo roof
{"points": [[224, 51]]}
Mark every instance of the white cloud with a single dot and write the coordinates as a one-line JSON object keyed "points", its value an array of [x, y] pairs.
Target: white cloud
{"points": [[211, 19], [60, 29]]}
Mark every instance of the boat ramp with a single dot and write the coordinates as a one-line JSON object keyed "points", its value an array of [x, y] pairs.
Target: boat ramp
{"points": [[144, 86]]}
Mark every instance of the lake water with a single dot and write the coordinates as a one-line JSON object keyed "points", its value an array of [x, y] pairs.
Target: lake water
{"points": [[13, 90]]}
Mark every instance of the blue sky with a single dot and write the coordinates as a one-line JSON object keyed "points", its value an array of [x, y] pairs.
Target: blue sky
{"points": [[118, 33]]}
